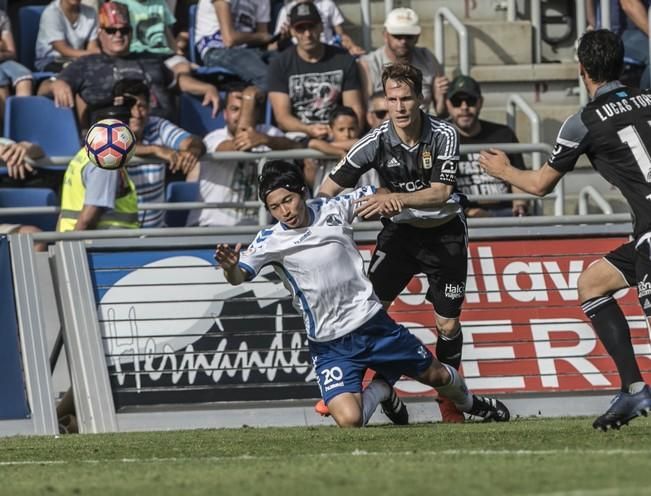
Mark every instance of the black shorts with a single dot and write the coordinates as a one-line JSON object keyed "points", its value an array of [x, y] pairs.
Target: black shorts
{"points": [[635, 266], [441, 253]]}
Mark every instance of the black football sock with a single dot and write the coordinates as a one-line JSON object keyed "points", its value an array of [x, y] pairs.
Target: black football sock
{"points": [[448, 348], [610, 325]]}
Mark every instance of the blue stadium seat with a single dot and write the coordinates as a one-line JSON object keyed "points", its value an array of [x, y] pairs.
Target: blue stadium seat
{"points": [[197, 119], [180, 191], [29, 197], [29, 18], [36, 119]]}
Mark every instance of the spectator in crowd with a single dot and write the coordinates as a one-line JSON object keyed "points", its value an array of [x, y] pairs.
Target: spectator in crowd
{"points": [[67, 31], [333, 25], [347, 329], [628, 19], [235, 180], [344, 133], [612, 130], [168, 145], [401, 32], [424, 230], [14, 77], [309, 80], [464, 103], [231, 35], [377, 111], [89, 80], [152, 36]]}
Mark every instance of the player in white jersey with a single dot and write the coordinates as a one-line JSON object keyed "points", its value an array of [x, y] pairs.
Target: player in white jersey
{"points": [[313, 251]]}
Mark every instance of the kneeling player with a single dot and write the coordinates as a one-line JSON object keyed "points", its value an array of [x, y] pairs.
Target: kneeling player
{"points": [[313, 251]]}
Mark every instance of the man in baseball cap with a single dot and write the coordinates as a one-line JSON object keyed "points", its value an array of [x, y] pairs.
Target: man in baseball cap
{"points": [[304, 13], [401, 32]]}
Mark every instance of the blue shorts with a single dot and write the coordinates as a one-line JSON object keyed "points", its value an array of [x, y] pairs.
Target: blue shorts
{"points": [[380, 344]]}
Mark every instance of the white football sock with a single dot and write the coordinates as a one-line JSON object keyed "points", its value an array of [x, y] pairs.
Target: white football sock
{"points": [[456, 390], [374, 393], [636, 387]]}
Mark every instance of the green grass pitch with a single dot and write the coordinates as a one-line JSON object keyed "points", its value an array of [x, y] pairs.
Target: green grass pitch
{"points": [[524, 457]]}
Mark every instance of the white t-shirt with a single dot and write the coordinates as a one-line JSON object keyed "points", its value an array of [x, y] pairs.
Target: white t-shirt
{"points": [[321, 267], [228, 181], [330, 17], [246, 14]]}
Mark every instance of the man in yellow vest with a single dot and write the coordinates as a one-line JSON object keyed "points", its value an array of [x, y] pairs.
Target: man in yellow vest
{"points": [[94, 198]]}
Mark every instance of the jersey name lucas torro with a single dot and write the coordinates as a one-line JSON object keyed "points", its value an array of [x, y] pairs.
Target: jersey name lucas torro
{"points": [[610, 109]]}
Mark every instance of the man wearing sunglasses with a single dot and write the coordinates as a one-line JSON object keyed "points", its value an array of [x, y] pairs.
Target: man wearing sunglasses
{"points": [[89, 80], [377, 111], [401, 33], [464, 102]]}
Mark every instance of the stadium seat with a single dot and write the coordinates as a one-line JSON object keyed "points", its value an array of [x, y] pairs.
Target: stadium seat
{"points": [[29, 18], [36, 119], [197, 119], [29, 197], [180, 191]]}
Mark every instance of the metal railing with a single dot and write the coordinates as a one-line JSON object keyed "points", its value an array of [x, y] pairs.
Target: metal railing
{"points": [[445, 14], [591, 193], [514, 103]]}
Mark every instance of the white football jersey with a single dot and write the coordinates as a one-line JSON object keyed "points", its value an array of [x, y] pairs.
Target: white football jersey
{"points": [[321, 266]]}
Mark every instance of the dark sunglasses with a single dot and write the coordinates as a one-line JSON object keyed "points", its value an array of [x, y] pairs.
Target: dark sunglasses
{"points": [[380, 114], [471, 101], [408, 37], [123, 31], [304, 26]]}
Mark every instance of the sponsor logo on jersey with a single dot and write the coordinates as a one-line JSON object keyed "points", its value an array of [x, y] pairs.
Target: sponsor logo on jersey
{"points": [[647, 304], [393, 162], [455, 291], [427, 160], [644, 287], [333, 220], [303, 237]]}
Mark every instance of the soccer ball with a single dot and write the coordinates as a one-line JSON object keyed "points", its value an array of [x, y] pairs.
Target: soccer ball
{"points": [[110, 144]]}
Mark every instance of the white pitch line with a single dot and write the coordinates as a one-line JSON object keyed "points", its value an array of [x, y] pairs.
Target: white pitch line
{"points": [[464, 452]]}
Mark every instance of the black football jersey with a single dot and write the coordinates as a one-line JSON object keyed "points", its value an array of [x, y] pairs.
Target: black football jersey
{"points": [[614, 131], [435, 158]]}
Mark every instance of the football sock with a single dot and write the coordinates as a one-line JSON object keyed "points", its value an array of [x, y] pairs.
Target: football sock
{"points": [[375, 392], [636, 387], [448, 348], [456, 390], [610, 325]]}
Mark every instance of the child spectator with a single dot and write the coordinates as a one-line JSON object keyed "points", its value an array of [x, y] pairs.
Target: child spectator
{"points": [[12, 74], [333, 30], [67, 31], [344, 133]]}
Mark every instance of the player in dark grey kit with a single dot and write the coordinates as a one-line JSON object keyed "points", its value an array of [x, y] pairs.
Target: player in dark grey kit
{"points": [[614, 131], [416, 156]]}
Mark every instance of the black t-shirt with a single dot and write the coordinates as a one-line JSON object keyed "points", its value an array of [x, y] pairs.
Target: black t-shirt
{"points": [[614, 131], [314, 89], [92, 77], [471, 179]]}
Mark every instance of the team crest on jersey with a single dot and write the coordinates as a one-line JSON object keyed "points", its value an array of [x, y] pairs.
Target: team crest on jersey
{"points": [[333, 220], [427, 160]]}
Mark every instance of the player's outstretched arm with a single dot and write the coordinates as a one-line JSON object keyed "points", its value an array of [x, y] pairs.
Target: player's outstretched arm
{"points": [[536, 182], [227, 258]]}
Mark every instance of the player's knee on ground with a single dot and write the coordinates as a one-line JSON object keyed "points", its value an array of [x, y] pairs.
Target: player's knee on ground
{"points": [[436, 375], [447, 326], [346, 410]]}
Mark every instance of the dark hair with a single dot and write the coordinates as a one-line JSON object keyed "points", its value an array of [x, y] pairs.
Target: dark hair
{"points": [[601, 53], [339, 111], [280, 174], [404, 73]]}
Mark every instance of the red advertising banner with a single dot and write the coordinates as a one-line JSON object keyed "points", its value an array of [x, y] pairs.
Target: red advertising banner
{"points": [[524, 330]]}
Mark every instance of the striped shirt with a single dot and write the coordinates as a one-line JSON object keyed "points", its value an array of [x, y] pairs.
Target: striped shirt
{"points": [[150, 178], [434, 159]]}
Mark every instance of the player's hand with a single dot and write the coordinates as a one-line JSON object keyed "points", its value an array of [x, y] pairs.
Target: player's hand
{"points": [[386, 205], [494, 162], [62, 94], [226, 256], [320, 131]]}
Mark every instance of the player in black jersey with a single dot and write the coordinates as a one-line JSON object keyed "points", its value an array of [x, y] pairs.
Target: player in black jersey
{"points": [[614, 131], [416, 156]]}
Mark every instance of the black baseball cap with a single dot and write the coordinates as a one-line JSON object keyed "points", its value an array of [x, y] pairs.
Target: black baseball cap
{"points": [[464, 85], [305, 12]]}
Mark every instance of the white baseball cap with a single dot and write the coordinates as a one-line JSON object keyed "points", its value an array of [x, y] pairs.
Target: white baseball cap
{"points": [[402, 21]]}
